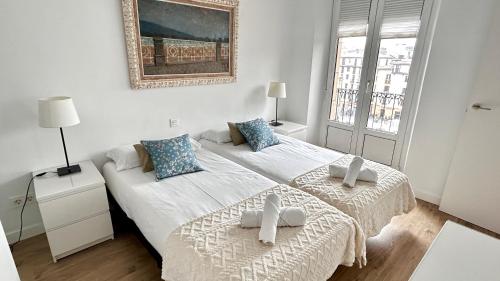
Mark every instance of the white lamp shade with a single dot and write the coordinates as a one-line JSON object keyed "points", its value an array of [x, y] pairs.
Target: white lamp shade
{"points": [[56, 112], [277, 90]]}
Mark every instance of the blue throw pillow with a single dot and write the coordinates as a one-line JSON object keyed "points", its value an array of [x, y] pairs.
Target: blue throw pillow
{"points": [[172, 157], [258, 134]]}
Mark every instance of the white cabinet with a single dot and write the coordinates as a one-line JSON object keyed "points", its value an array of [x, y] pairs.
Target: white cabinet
{"points": [[459, 253], [74, 209], [294, 130], [8, 270]]}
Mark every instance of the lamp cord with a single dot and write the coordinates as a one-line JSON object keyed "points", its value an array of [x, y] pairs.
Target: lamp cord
{"points": [[24, 206]]}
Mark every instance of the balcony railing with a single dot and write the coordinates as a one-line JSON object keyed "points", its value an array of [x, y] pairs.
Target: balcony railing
{"points": [[344, 106], [384, 114]]}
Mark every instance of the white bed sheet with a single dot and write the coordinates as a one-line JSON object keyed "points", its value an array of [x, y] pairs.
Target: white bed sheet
{"points": [[158, 208], [282, 163]]}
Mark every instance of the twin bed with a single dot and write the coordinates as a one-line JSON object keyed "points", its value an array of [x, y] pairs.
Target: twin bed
{"points": [[192, 220], [305, 166]]}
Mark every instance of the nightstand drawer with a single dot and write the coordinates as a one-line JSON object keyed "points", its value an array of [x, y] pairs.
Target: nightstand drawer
{"points": [[68, 239], [66, 210]]}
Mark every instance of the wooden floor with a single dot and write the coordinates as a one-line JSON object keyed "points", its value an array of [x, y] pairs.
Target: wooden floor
{"points": [[392, 256]]}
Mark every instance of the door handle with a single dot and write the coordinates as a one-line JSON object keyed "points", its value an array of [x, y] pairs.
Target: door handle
{"points": [[368, 90], [479, 106]]}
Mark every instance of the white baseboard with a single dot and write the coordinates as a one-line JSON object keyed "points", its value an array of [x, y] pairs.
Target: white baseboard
{"points": [[28, 231], [427, 196]]}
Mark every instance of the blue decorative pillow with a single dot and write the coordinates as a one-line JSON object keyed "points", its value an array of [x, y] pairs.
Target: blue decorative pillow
{"points": [[172, 157], [258, 134]]}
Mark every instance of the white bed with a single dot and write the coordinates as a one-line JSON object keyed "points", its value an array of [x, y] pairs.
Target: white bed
{"points": [[209, 204], [281, 163], [305, 166], [160, 207]]}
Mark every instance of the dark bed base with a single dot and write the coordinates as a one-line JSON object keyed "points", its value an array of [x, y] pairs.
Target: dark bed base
{"points": [[121, 223]]}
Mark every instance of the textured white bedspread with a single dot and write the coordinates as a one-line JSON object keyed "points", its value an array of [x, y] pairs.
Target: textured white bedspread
{"points": [[281, 163], [215, 247], [158, 208], [372, 204]]}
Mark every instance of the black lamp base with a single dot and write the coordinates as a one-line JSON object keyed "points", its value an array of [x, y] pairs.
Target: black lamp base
{"points": [[63, 171], [275, 123]]}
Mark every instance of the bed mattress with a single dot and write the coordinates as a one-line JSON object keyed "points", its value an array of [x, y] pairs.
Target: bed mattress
{"points": [[305, 166], [215, 247], [159, 207], [281, 163], [192, 221], [373, 205]]}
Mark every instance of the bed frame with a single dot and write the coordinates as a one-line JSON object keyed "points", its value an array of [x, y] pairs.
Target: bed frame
{"points": [[121, 223]]}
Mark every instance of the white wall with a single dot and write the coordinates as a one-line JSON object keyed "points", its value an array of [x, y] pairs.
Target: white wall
{"points": [[322, 14], [307, 65], [459, 38], [297, 67], [77, 48]]}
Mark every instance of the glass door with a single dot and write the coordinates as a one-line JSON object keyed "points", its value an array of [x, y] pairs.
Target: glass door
{"points": [[373, 76]]}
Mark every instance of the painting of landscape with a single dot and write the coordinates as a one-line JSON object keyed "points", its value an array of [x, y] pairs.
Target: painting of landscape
{"points": [[178, 38]]}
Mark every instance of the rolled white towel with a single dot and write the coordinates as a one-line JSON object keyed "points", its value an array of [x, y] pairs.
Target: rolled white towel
{"points": [[270, 218], [290, 216], [353, 171], [365, 174]]}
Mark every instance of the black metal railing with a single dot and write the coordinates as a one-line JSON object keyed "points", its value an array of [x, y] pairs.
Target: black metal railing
{"points": [[385, 111], [344, 106], [384, 114]]}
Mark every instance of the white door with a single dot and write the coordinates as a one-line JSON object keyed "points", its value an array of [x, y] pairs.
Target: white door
{"points": [[373, 73], [472, 191]]}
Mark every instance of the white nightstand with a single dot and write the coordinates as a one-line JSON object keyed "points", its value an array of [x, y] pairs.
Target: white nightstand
{"points": [[291, 129], [74, 209]]}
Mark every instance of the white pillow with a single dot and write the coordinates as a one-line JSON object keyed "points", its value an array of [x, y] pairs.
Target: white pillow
{"points": [[195, 144], [125, 157], [217, 136]]}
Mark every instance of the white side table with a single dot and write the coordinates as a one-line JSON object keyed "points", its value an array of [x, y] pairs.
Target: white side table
{"points": [[294, 130], [459, 253], [74, 209], [8, 270]]}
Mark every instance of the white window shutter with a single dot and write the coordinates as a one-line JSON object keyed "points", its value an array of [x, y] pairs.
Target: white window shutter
{"points": [[401, 18], [353, 17]]}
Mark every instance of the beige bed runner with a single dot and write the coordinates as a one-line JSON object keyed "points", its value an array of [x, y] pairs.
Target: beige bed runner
{"points": [[215, 247], [371, 204]]}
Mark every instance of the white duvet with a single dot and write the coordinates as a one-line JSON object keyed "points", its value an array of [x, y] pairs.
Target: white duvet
{"points": [[282, 163], [158, 208]]}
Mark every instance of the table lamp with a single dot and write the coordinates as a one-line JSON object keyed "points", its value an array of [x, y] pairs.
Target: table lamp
{"points": [[276, 90], [59, 112]]}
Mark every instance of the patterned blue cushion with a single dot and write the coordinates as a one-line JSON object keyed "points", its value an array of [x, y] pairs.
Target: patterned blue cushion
{"points": [[258, 134], [172, 157]]}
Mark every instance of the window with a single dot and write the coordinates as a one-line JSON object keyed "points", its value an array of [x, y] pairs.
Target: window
{"points": [[399, 26], [344, 98], [374, 41]]}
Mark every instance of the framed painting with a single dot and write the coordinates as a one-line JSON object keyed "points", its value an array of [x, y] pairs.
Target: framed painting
{"points": [[172, 43]]}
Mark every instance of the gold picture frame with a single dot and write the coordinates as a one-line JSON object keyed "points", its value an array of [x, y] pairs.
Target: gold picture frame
{"points": [[175, 43]]}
